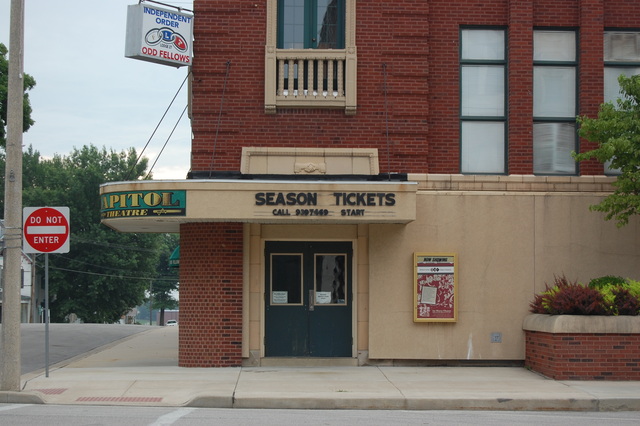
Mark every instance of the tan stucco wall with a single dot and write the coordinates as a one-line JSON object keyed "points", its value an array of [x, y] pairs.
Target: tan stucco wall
{"points": [[508, 244]]}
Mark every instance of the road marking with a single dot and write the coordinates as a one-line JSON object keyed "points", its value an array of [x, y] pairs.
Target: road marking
{"points": [[52, 391], [119, 399], [171, 418]]}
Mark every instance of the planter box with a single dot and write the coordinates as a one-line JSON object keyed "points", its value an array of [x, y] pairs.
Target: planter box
{"points": [[577, 347]]}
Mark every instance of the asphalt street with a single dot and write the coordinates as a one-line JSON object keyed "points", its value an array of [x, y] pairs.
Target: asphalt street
{"points": [[67, 341]]}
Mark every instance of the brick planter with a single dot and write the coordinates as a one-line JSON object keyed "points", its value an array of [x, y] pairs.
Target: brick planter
{"points": [[574, 347]]}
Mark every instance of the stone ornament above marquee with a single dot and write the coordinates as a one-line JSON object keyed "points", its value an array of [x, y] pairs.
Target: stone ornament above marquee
{"points": [[309, 161]]}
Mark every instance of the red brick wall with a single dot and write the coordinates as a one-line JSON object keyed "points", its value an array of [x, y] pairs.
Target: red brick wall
{"points": [[520, 87], [591, 72], [584, 356], [210, 295], [419, 44]]}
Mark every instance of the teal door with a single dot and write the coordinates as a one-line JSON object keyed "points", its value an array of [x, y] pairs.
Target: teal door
{"points": [[308, 292]]}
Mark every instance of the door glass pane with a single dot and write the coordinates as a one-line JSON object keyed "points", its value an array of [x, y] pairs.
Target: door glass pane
{"points": [[293, 24], [330, 279], [554, 91], [483, 90], [286, 279], [482, 147]]}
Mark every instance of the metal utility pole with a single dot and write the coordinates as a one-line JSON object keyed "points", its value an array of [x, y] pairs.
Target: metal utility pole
{"points": [[10, 377], [150, 302]]}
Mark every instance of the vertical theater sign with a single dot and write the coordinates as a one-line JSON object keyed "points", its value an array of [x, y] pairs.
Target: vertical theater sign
{"points": [[159, 35]]}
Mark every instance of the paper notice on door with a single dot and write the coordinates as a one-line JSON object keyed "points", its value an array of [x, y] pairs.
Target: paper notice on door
{"points": [[323, 297], [429, 295], [279, 297]]}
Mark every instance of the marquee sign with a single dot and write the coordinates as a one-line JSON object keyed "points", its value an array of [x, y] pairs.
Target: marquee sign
{"points": [[337, 204], [142, 204], [162, 206], [159, 35]]}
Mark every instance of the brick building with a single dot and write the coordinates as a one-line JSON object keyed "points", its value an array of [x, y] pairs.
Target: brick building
{"points": [[377, 181]]}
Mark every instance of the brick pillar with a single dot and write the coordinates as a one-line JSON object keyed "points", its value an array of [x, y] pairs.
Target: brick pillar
{"points": [[520, 87], [591, 77], [211, 280]]}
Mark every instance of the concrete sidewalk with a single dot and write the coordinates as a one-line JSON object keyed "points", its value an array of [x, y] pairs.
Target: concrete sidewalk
{"points": [[142, 370]]}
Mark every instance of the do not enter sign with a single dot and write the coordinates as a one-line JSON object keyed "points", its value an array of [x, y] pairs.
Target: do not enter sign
{"points": [[46, 229]]}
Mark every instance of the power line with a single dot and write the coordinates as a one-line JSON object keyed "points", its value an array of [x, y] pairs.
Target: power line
{"points": [[215, 139], [157, 126], [167, 141], [110, 276], [80, 240]]}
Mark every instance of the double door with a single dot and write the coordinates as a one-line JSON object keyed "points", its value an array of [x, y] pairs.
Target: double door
{"points": [[308, 292]]}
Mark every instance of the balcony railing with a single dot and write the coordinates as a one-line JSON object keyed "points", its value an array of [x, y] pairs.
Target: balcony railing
{"points": [[310, 78]]}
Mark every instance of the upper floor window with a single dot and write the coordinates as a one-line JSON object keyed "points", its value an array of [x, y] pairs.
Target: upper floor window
{"points": [[554, 101], [483, 101], [310, 55], [621, 57], [311, 24]]}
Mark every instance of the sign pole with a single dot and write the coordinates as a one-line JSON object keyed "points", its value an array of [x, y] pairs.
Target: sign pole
{"points": [[46, 313], [46, 230]]}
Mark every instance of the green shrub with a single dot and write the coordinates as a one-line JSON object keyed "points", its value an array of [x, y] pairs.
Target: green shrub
{"points": [[622, 299], [600, 282], [634, 287]]}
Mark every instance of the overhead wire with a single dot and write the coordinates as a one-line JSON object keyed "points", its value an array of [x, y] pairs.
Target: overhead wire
{"points": [[111, 245], [167, 5], [112, 276], [167, 141], [128, 176], [215, 139], [386, 119]]}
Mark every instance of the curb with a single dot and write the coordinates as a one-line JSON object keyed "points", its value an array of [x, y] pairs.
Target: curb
{"points": [[10, 397]]}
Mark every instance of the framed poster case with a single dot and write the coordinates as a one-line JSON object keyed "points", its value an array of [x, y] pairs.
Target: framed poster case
{"points": [[435, 287]]}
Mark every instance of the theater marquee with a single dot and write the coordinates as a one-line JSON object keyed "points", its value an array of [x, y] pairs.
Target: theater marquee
{"points": [[160, 206]]}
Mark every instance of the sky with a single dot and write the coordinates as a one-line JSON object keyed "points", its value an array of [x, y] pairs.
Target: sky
{"points": [[87, 92]]}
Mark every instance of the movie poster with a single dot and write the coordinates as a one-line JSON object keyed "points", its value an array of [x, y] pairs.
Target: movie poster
{"points": [[435, 287]]}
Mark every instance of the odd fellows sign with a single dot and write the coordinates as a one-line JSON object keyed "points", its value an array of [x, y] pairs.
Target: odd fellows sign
{"points": [[158, 35], [143, 204]]}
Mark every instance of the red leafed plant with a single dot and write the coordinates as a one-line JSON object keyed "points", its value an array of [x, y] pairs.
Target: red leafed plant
{"points": [[625, 303], [568, 298]]}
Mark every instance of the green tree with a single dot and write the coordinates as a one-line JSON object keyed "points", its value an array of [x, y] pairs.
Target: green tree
{"points": [[29, 83], [106, 273], [167, 282], [617, 132]]}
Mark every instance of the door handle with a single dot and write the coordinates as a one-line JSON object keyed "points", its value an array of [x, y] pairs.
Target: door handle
{"points": [[312, 304]]}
